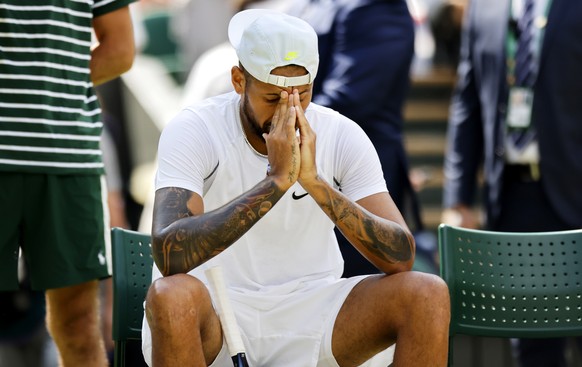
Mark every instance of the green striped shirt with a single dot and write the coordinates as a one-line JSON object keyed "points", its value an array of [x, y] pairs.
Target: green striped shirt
{"points": [[50, 119]]}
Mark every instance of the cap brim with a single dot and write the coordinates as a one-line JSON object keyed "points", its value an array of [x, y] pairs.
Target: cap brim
{"points": [[241, 20]]}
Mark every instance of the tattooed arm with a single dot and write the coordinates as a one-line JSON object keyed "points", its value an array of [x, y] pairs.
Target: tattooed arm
{"points": [[373, 225], [183, 236]]}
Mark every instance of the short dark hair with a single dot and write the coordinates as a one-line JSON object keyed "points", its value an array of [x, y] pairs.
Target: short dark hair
{"points": [[248, 77]]}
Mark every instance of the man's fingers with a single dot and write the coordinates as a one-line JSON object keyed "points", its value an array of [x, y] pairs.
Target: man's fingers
{"points": [[292, 117], [281, 110], [292, 114], [276, 117], [301, 119]]}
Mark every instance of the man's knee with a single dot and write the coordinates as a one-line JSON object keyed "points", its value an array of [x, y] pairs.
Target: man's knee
{"points": [[73, 322], [73, 310], [433, 286], [175, 293], [427, 294]]}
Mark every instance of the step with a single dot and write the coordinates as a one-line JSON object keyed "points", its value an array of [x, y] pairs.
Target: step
{"points": [[423, 144]]}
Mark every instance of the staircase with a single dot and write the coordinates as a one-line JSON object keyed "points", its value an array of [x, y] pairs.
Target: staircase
{"points": [[425, 124]]}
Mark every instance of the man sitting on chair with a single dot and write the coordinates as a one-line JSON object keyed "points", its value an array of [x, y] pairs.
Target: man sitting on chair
{"points": [[243, 182]]}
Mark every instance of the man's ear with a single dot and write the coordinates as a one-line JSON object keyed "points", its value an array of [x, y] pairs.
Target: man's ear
{"points": [[237, 78]]}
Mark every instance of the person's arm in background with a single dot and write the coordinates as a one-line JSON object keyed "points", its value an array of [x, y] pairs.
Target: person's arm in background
{"points": [[372, 50], [114, 51], [464, 140]]}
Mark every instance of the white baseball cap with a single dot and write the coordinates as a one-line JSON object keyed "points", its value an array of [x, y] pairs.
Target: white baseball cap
{"points": [[267, 39]]}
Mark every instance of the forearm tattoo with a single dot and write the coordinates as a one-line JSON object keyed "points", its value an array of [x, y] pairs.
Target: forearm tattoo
{"points": [[183, 241], [385, 239]]}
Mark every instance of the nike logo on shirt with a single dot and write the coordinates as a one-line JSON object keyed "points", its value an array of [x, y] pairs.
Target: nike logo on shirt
{"points": [[297, 197]]}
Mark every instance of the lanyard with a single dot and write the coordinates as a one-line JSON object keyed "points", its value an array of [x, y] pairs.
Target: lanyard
{"points": [[511, 42]]}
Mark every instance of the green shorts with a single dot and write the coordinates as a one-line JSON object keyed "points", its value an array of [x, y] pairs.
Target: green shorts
{"points": [[60, 222]]}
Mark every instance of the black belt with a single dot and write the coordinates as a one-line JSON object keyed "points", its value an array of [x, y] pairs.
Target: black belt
{"points": [[522, 172]]}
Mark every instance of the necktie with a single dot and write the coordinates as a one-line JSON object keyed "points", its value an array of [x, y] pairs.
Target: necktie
{"points": [[523, 54], [524, 64]]}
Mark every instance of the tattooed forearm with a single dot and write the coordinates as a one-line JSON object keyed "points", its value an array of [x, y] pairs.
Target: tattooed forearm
{"points": [[182, 241], [384, 239]]}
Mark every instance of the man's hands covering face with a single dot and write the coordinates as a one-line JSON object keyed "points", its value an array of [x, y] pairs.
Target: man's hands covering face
{"points": [[291, 158]]}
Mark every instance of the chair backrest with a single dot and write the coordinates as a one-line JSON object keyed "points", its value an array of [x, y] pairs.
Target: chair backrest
{"points": [[132, 275], [523, 285]]}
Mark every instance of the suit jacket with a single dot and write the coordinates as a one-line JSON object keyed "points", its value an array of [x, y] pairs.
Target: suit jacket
{"points": [[476, 130], [365, 49]]}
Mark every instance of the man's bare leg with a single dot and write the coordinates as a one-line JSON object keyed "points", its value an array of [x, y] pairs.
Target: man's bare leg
{"points": [[106, 296], [409, 308], [73, 322], [184, 326]]}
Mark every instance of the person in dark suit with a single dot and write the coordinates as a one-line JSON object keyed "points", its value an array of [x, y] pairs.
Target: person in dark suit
{"points": [[520, 117], [366, 49]]}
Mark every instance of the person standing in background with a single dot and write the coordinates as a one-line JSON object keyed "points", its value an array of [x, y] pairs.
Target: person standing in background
{"points": [[366, 49], [52, 190], [516, 110]]}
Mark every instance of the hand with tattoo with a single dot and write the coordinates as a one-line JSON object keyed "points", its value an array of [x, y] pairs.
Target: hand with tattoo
{"points": [[282, 143]]}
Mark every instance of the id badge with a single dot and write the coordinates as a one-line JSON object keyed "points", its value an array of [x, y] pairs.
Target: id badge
{"points": [[519, 107]]}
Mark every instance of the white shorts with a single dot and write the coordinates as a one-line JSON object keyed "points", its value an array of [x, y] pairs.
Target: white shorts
{"points": [[293, 330]]}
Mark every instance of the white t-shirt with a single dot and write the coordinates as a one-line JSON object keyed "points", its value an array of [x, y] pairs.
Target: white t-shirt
{"points": [[293, 247]]}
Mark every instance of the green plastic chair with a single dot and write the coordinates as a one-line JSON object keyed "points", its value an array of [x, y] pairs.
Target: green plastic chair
{"points": [[132, 275], [162, 45], [512, 285]]}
